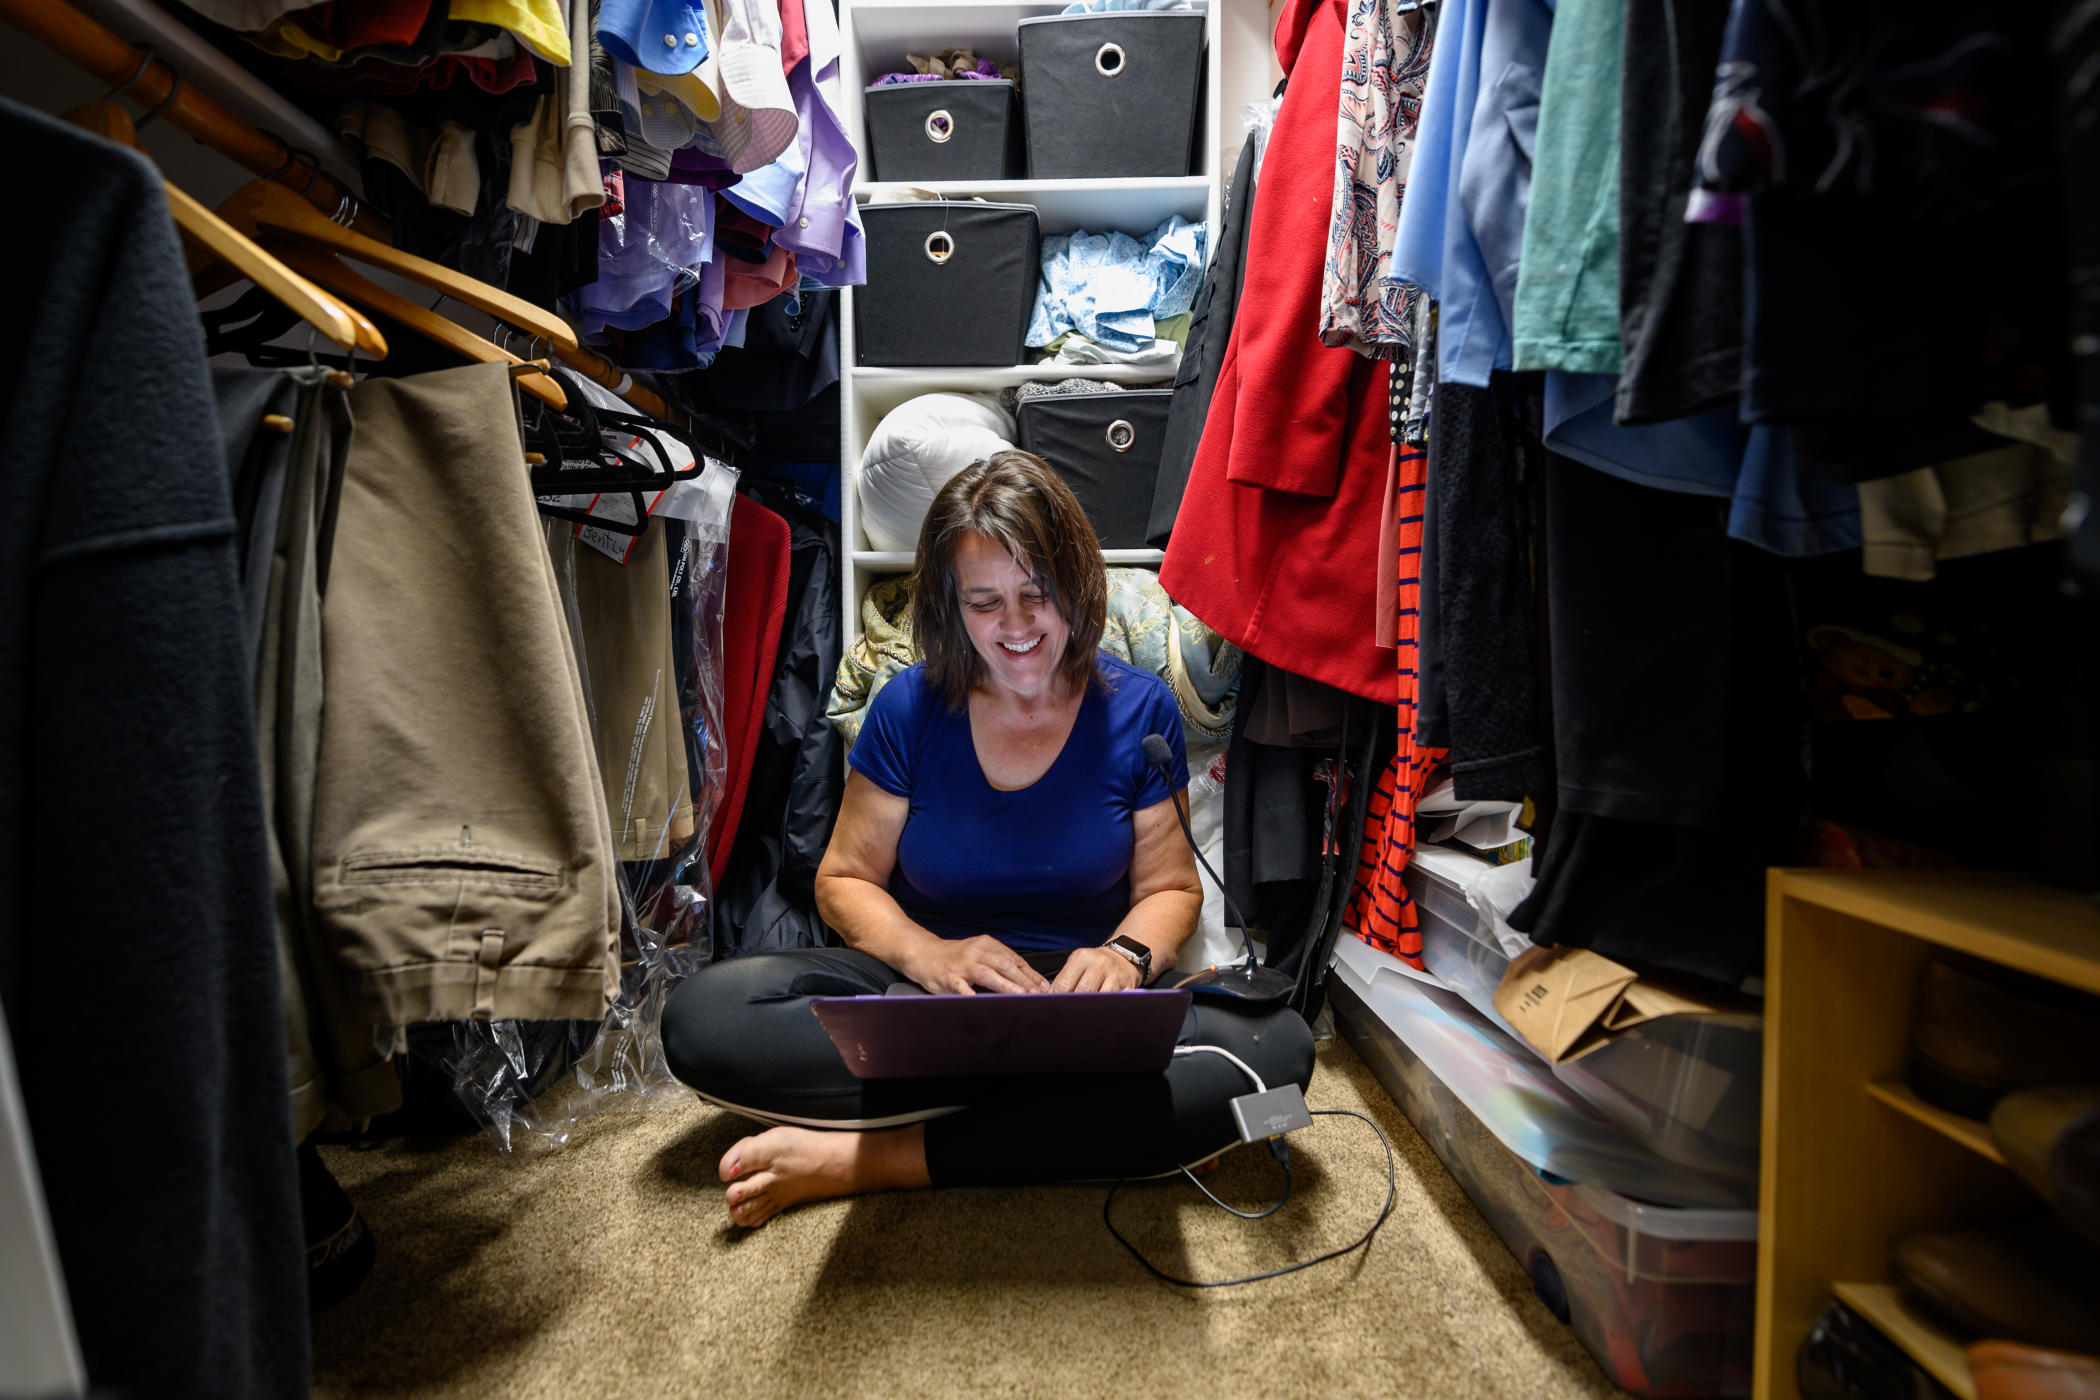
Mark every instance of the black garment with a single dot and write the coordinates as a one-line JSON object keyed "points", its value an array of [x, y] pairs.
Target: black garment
{"points": [[1676, 729], [478, 245], [1481, 593], [146, 1016], [2075, 55], [1680, 284], [1272, 817], [1901, 133], [1432, 704], [742, 1034], [1210, 326], [1891, 391], [789, 356], [767, 900], [562, 259]]}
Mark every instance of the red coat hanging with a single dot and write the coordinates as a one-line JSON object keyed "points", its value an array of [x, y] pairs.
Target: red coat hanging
{"points": [[1276, 543]]}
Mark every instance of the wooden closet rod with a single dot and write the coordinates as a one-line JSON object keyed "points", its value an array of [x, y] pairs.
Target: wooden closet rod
{"points": [[74, 36]]}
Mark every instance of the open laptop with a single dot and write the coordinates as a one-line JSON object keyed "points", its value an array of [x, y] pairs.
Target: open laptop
{"points": [[993, 1034]]}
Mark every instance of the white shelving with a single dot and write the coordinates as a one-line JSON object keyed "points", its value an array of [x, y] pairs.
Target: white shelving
{"points": [[1066, 206], [897, 561], [877, 36]]}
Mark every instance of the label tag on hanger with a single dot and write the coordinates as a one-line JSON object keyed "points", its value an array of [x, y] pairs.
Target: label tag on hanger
{"points": [[619, 505]]}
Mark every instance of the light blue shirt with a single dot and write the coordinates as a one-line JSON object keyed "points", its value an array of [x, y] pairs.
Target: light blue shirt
{"points": [[1772, 502], [1112, 288], [652, 34], [1462, 219]]}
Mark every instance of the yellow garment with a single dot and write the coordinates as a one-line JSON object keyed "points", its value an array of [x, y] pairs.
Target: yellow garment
{"points": [[539, 24], [690, 90], [287, 38]]}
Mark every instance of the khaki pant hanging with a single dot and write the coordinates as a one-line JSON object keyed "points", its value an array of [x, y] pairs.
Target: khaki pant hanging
{"points": [[462, 866]]}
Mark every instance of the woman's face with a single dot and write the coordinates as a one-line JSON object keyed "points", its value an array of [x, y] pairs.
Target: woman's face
{"points": [[1016, 629]]}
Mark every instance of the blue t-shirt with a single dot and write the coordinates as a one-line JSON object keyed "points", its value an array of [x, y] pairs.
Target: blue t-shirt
{"points": [[1043, 869]]}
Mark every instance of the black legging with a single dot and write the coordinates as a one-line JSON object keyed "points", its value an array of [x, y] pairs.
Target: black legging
{"points": [[741, 1032]]}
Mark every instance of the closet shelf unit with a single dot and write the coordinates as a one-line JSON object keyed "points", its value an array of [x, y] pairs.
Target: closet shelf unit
{"points": [[877, 35], [1862, 1161]]}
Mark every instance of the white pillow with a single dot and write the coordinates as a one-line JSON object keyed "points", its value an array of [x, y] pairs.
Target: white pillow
{"points": [[915, 451]]}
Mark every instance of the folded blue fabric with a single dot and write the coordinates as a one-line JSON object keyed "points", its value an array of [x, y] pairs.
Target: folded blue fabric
{"points": [[1112, 288]]}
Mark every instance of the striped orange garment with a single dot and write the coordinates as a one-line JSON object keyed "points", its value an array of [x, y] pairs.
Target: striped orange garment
{"points": [[1380, 908]]}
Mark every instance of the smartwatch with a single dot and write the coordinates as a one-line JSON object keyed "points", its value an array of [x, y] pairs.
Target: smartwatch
{"points": [[1140, 956]]}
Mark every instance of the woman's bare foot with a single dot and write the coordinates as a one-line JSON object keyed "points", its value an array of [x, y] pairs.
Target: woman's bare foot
{"points": [[783, 1167]]}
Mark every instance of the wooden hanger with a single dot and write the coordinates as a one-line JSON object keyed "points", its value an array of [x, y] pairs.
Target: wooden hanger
{"points": [[262, 208], [323, 312], [331, 271]]}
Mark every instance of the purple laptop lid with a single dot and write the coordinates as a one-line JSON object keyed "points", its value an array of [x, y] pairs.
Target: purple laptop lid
{"points": [[942, 1037]]}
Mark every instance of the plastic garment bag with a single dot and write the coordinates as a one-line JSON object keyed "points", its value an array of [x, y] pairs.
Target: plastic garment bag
{"points": [[645, 614]]}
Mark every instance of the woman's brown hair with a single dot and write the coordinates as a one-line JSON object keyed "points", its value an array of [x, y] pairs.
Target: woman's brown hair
{"points": [[1015, 500]]}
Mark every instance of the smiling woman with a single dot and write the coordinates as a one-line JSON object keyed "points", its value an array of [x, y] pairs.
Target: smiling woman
{"points": [[1002, 830], [1008, 552]]}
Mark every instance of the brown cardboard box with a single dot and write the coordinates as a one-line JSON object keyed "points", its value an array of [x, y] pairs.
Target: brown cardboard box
{"points": [[1570, 1001]]}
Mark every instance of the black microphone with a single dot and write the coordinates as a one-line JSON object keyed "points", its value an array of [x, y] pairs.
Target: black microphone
{"points": [[1247, 982]]}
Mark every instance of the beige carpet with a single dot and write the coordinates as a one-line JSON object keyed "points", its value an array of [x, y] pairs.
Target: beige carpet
{"points": [[608, 1268]]}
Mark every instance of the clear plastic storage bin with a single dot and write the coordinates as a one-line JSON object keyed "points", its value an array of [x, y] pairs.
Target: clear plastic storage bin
{"points": [[1456, 944], [1688, 1086], [1663, 1298]]}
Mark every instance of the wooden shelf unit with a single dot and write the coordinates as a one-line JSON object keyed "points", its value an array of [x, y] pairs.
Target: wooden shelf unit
{"points": [[1852, 1160], [1966, 1131], [1882, 1304]]}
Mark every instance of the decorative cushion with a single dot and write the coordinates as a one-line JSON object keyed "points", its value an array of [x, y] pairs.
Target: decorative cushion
{"points": [[915, 451]]}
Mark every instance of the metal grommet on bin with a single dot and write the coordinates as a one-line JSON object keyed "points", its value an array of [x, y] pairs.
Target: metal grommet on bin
{"points": [[1121, 436], [939, 125], [940, 246], [1108, 60]]}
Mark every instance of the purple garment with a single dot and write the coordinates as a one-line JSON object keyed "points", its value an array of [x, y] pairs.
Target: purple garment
{"points": [[692, 166], [689, 338], [985, 69], [645, 253], [823, 228]]}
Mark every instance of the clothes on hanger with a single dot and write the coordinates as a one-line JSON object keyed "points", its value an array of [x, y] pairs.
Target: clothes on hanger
{"points": [[1267, 548], [162, 1122]]}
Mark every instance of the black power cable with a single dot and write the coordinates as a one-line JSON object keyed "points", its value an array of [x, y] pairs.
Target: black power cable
{"points": [[1364, 1239]]}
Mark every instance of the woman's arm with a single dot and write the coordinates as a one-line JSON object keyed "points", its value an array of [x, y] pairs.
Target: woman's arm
{"points": [[853, 896], [1166, 899]]}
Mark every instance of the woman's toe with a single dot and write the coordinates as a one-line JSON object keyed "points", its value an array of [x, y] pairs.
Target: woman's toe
{"points": [[732, 1163]]}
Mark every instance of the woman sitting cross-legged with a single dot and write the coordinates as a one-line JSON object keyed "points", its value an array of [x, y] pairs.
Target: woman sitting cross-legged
{"points": [[1001, 831]]}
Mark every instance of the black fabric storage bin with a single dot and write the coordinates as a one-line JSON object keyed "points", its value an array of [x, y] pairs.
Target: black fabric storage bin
{"points": [[1105, 444], [1111, 94], [949, 283], [962, 129]]}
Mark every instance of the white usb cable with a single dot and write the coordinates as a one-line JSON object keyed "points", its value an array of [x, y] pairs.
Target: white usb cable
{"points": [[1245, 1068]]}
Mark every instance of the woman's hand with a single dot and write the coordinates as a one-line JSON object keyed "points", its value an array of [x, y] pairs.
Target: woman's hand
{"points": [[960, 966], [1096, 970]]}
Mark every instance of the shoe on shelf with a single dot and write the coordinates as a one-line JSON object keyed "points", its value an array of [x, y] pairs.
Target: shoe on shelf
{"points": [[339, 1245], [2051, 1137], [2010, 1371], [2035, 1282], [1980, 1032], [1846, 1357]]}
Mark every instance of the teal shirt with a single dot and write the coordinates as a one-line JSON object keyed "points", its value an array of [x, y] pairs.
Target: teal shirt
{"points": [[1567, 302]]}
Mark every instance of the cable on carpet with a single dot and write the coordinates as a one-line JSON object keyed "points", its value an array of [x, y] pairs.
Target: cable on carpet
{"points": [[1384, 1211]]}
